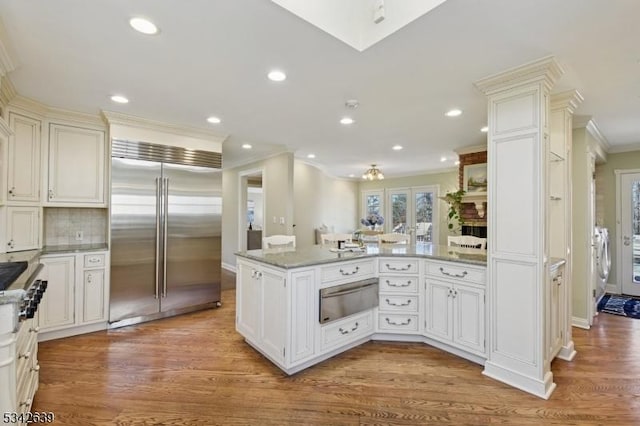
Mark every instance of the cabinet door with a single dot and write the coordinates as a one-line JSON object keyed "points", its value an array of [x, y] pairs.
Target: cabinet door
{"points": [[23, 228], [76, 165], [23, 165], [554, 321], [274, 314], [56, 309], [439, 310], [248, 297], [304, 315], [468, 312], [93, 306]]}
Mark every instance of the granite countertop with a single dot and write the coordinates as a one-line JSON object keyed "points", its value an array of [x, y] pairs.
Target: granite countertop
{"points": [[289, 258], [11, 294], [75, 248]]}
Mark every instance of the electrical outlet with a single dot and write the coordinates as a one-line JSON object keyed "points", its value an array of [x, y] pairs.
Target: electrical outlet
{"points": [[79, 235], [281, 220]]}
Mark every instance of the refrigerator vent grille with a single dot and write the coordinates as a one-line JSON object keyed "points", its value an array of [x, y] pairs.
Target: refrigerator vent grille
{"points": [[165, 154]]}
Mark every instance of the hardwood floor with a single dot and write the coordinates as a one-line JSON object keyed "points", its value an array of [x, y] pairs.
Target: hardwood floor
{"points": [[196, 370]]}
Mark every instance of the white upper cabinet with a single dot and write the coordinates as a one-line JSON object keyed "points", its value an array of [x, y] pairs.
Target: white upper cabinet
{"points": [[23, 165], [23, 228], [76, 166]]}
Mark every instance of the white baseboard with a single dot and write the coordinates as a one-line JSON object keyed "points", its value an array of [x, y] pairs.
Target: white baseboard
{"points": [[229, 267], [568, 352], [540, 388], [580, 323], [612, 288]]}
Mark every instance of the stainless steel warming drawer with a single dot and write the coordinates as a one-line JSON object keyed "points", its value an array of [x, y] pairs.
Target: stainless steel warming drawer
{"points": [[343, 300]]}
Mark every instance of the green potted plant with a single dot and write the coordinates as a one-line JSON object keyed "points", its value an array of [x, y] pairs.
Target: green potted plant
{"points": [[454, 217]]}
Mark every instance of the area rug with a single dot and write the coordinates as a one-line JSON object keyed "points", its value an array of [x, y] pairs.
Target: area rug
{"points": [[620, 305]]}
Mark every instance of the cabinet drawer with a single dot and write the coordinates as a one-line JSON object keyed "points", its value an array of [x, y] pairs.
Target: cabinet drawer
{"points": [[399, 284], [347, 330], [456, 271], [348, 271], [398, 303], [398, 266], [94, 260], [398, 322]]}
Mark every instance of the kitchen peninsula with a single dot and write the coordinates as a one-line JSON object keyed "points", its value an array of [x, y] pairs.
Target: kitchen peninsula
{"points": [[423, 293]]}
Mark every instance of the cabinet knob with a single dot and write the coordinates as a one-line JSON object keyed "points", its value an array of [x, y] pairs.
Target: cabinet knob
{"points": [[25, 355], [89, 278], [12, 191], [34, 329], [50, 194], [25, 403], [10, 243], [35, 368]]}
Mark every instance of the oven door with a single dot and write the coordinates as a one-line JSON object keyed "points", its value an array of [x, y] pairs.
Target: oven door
{"points": [[343, 300]]}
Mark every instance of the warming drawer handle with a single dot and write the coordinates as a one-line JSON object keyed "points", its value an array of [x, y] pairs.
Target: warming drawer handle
{"points": [[343, 331], [398, 304], [355, 271], [449, 274], [347, 291], [407, 322], [392, 268], [390, 284]]}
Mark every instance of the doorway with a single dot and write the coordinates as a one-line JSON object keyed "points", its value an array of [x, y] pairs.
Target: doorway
{"points": [[414, 209], [251, 210], [629, 231]]}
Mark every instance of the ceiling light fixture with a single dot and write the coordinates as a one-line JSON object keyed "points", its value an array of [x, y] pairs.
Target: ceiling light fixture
{"points": [[443, 159], [397, 147], [453, 113], [485, 129], [143, 26], [277, 75], [373, 174], [352, 175], [120, 99], [457, 163], [246, 146], [214, 120], [311, 156], [347, 120]]}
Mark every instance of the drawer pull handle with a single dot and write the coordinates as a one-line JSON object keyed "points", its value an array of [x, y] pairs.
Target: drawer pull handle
{"points": [[407, 322], [449, 274], [94, 260], [398, 304], [34, 329], [25, 403], [355, 271], [343, 331], [393, 268], [36, 368], [25, 355], [390, 284]]}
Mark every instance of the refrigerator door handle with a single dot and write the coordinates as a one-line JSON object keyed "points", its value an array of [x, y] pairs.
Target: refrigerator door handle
{"points": [[166, 227], [158, 199]]}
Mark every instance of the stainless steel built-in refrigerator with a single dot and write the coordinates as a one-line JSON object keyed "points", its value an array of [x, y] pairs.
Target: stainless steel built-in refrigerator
{"points": [[166, 210]]}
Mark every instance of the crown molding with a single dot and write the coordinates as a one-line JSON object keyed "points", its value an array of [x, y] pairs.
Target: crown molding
{"points": [[7, 62], [580, 121], [569, 100], [594, 130], [112, 117], [5, 130], [470, 149], [29, 105], [546, 70], [226, 165], [7, 91], [624, 148]]}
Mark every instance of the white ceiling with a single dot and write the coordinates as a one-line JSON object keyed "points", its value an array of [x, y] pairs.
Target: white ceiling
{"points": [[211, 58]]}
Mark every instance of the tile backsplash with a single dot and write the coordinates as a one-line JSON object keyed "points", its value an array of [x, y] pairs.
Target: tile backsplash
{"points": [[62, 224]]}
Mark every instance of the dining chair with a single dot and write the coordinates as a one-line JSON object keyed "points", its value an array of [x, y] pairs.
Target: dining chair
{"points": [[468, 241], [334, 238], [275, 241]]}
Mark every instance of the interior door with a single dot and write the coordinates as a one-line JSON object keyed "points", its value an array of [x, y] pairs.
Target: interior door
{"points": [[193, 240], [630, 231], [412, 209]]}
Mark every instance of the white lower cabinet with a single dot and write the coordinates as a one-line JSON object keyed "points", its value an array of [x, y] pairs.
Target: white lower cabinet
{"points": [[455, 314], [76, 299], [346, 330]]}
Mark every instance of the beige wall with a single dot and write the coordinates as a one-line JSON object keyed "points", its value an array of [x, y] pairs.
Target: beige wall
{"points": [[320, 199], [447, 181], [606, 198], [277, 185]]}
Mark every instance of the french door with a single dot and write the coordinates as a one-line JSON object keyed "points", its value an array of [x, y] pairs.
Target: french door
{"points": [[414, 209], [629, 250]]}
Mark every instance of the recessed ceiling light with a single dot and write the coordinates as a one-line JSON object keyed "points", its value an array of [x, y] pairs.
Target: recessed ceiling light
{"points": [[443, 159], [352, 175], [485, 129], [213, 120], [144, 26], [246, 146], [277, 75], [457, 163], [311, 156], [347, 120], [453, 113], [397, 147], [119, 99]]}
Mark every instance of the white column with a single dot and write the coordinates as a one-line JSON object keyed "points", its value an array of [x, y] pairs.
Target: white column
{"points": [[518, 119], [8, 402], [563, 105]]}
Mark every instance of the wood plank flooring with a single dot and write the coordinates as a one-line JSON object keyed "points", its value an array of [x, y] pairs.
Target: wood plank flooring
{"points": [[196, 370]]}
